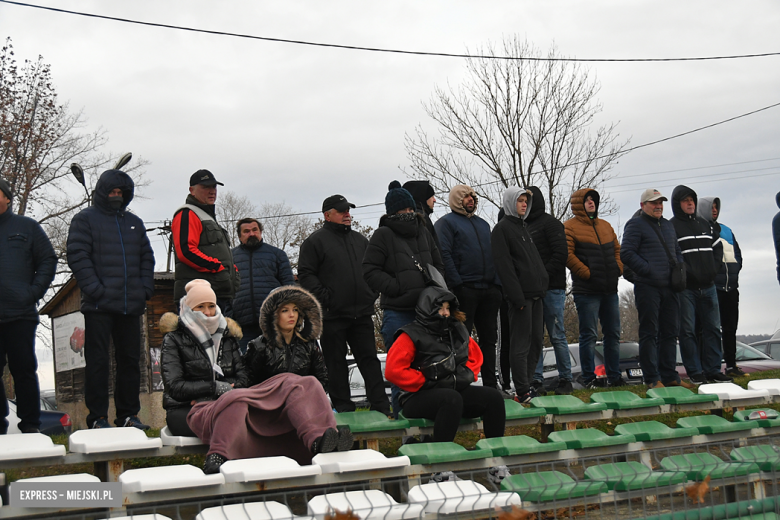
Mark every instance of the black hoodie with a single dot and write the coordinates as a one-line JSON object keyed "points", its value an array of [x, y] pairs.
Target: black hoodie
{"points": [[696, 238], [549, 237]]}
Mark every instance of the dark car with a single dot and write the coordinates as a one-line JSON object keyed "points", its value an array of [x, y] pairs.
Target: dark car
{"points": [[52, 421], [749, 360], [629, 365], [770, 347]]}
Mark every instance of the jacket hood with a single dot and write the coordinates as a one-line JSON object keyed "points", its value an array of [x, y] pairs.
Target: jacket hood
{"points": [[457, 194], [539, 205], [170, 322], [777, 199], [509, 201], [578, 202], [109, 180], [421, 190], [309, 318], [679, 193], [704, 208], [427, 309]]}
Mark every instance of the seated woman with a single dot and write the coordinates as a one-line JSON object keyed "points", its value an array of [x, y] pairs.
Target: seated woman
{"points": [[285, 415], [434, 362]]}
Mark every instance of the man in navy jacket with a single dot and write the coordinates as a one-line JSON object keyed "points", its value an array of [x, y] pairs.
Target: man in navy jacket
{"points": [[112, 260], [659, 312], [28, 263]]}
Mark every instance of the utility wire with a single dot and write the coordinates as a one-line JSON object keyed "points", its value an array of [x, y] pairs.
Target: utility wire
{"points": [[378, 49]]}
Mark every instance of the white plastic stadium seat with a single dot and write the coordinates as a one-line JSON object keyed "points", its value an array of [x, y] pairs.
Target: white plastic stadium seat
{"points": [[357, 460], [265, 468], [770, 385], [177, 440], [75, 477], [167, 477], [250, 511], [29, 446], [458, 497], [154, 516], [732, 392], [371, 504], [111, 439]]}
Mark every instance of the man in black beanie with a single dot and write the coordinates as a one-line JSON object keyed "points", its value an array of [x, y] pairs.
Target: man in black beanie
{"points": [[424, 199]]}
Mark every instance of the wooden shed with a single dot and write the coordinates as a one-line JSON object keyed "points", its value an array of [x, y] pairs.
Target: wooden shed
{"points": [[69, 373]]}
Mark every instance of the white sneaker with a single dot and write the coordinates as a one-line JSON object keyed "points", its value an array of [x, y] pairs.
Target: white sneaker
{"points": [[498, 473], [444, 476]]}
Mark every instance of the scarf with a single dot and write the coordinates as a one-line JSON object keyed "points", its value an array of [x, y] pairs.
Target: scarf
{"points": [[402, 217], [208, 331]]}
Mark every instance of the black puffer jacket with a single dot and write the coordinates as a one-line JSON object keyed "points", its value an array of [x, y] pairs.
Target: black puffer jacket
{"points": [[697, 239], [389, 269], [549, 238], [109, 252], [330, 266], [186, 368], [270, 355]]}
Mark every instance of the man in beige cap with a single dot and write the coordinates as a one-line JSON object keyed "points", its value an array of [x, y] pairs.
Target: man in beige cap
{"points": [[648, 248]]}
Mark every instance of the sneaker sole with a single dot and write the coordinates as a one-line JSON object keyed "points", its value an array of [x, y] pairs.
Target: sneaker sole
{"points": [[329, 441], [345, 440]]}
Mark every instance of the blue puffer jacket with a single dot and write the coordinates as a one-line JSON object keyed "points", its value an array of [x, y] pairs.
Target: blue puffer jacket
{"points": [[642, 251], [27, 262], [466, 250], [109, 252], [262, 270]]}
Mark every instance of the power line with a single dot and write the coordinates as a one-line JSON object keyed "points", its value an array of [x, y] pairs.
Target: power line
{"points": [[379, 49]]}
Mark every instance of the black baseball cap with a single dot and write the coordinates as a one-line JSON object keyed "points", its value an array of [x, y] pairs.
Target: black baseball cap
{"points": [[204, 177], [337, 202]]}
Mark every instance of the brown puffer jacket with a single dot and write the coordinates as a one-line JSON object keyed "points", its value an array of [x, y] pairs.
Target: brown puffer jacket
{"points": [[594, 250]]}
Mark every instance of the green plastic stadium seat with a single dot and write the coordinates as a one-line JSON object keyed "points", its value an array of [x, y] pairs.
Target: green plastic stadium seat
{"points": [[699, 465], [680, 395], [772, 419], [427, 423], [589, 438], [436, 452], [743, 510], [369, 421], [654, 431], [565, 404], [712, 424], [624, 400], [518, 445], [545, 486], [515, 410], [628, 476], [767, 457]]}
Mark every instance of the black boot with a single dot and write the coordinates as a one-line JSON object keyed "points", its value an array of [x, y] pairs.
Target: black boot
{"points": [[213, 462]]}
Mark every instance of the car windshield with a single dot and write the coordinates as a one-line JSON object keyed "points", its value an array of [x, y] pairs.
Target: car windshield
{"points": [[628, 350], [744, 353]]}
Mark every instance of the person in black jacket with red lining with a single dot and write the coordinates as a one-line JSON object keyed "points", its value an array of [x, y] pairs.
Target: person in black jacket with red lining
{"points": [[202, 246]]}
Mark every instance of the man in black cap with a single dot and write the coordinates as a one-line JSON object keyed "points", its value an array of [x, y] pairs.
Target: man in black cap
{"points": [[330, 266], [27, 262], [202, 246]]}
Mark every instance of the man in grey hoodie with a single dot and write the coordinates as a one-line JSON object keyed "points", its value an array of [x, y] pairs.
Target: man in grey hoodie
{"points": [[524, 280]]}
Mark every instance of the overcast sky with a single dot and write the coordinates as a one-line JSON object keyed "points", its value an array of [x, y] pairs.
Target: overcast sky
{"points": [[293, 123]]}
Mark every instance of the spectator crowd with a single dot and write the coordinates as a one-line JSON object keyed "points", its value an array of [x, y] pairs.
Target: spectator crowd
{"points": [[254, 361]]}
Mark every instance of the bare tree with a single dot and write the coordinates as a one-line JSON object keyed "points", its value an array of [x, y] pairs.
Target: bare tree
{"points": [[629, 317], [232, 207], [517, 122], [284, 228]]}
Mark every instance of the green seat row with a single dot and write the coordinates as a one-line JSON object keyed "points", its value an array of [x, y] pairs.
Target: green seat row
{"points": [[680, 395], [589, 438], [699, 465], [747, 509], [765, 456], [545, 486], [629, 476]]}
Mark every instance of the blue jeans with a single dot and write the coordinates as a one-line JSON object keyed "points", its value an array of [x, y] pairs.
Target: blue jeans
{"points": [[391, 322], [553, 305], [592, 308], [659, 323], [701, 305]]}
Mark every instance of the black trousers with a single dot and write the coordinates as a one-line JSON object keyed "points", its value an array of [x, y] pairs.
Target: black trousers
{"points": [[481, 308], [728, 302], [125, 330], [359, 334], [17, 345], [446, 406], [176, 419], [504, 367], [526, 333]]}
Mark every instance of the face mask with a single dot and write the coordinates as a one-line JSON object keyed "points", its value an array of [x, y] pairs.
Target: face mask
{"points": [[115, 202]]}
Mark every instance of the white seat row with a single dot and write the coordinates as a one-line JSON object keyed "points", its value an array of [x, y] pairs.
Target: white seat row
{"points": [[732, 392]]}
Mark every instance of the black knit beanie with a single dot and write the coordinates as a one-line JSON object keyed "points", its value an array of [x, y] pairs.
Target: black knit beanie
{"points": [[397, 199], [421, 190]]}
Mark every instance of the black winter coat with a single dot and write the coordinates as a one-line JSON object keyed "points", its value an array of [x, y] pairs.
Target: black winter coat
{"points": [[549, 237], [518, 264], [643, 252], [330, 267], [696, 238], [262, 270], [389, 269], [27, 264], [109, 252], [186, 369]]}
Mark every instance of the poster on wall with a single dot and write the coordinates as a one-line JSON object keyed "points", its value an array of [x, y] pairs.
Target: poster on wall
{"points": [[157, 382], [69, 341]]}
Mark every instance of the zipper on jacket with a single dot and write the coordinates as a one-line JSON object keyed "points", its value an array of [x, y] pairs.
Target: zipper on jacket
{"points": [[124, 256], [481, 249], [252, 286]]}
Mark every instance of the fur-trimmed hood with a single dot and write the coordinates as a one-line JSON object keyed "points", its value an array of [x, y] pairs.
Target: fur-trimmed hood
{"points": [[170, 322], [309, 309]]}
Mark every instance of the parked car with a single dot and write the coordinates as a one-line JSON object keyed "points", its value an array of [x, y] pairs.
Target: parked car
{"points": [[749, 360], [357, 384], [770, 347], [629, 365], [52, 421]]}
